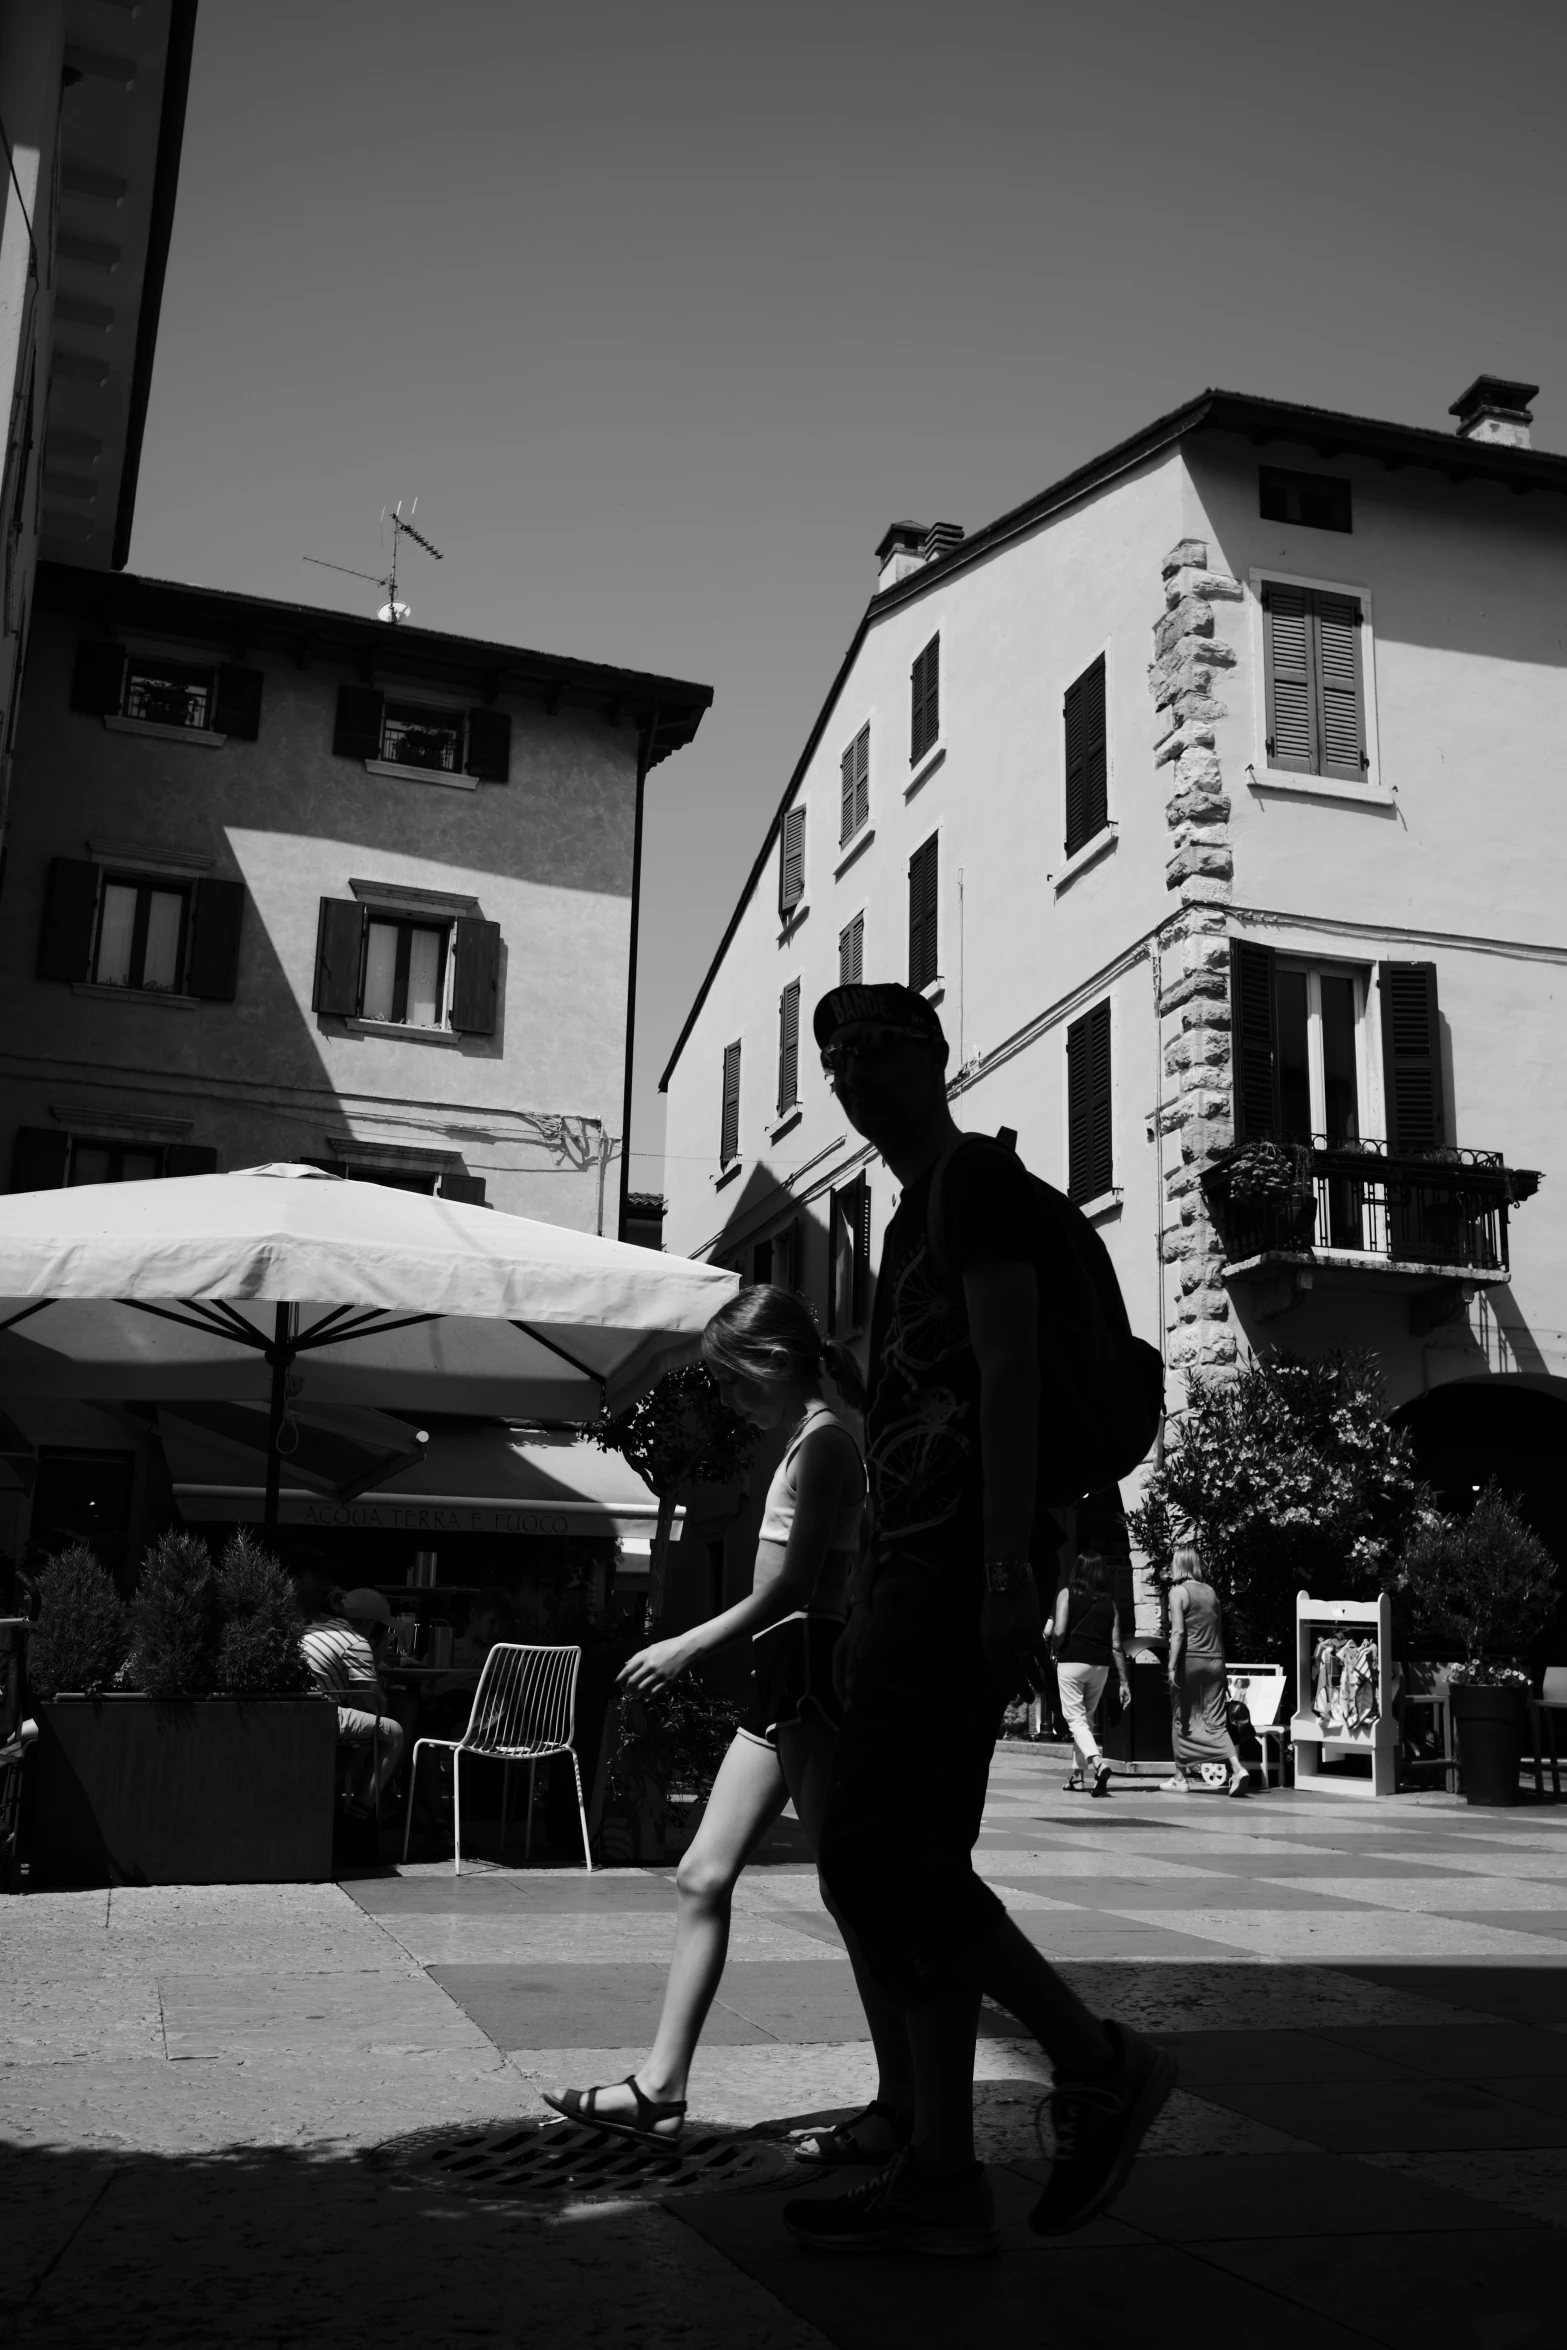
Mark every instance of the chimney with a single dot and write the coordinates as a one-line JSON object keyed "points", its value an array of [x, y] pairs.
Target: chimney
{"points": [[940, 540], [1495, 410], [901, 551]]}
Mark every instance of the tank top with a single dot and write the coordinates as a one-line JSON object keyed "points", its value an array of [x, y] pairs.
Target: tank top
{"points": [[830, 1592], [1090, 1623], [1204, 1639]]}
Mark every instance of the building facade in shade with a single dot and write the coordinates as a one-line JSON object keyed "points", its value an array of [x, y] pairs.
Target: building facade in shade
{"points": [[288, 884], [1214, 797], [93, 103]]}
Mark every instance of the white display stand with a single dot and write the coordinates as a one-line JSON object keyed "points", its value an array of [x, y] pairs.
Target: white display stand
{"points": [[1377, 1740]]}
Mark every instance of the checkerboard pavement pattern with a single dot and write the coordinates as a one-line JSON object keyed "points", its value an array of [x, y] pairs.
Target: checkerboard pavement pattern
{"points": [[1369, 2145]]}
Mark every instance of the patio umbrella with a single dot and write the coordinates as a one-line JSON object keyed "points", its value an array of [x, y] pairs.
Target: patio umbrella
{"points": [[284, 1284]]}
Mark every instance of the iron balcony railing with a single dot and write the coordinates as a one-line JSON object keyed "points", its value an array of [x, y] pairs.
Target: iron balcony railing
{"points": [[1444, 1207]]}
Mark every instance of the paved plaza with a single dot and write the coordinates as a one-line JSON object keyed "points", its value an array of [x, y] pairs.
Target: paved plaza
{"points": [[219, 2105]]}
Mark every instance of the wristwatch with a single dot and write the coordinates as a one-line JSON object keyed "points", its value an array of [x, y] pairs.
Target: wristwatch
{"points": [[1008, 1574]]}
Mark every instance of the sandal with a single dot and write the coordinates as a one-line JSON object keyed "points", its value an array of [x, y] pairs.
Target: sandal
{"points": [[581, 2106], [833, 2146]]}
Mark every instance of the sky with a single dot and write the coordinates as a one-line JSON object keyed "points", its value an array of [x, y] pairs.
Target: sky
{"points": [[664, 313]]}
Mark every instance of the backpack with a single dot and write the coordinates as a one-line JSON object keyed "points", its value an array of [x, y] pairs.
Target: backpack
{"points": [[1101, 1389]]}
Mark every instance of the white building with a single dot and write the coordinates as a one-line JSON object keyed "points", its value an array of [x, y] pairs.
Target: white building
{"points": [[1213, 794]]}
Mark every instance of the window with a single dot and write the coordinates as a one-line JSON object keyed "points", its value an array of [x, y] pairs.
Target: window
{"points": [[1318, 501], [849, 1257], [789, 1047], [112, 1162], [43, 1159], [925, 702], [141, 936], [855, 786], [430, 738], [922, 914], [412, 970], [168, 693], [761, 1261], [1089, 1111], [791, 862], [1316, 701], [1302, 1068], [1083, 720], [851, 953], [729, 1122], [111, 681]]}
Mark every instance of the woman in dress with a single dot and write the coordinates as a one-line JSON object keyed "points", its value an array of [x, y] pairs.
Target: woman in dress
{"points": [[1199, 1687], [768, 1359], [1086, 1642]]}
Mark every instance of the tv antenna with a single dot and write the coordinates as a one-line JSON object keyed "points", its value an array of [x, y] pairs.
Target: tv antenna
{"points": [[402, 528]]}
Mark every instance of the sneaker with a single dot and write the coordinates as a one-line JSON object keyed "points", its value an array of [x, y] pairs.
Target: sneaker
{"points": [[904, 2208], [1101, 1784], [1099, 2126], [1179, 1785]]}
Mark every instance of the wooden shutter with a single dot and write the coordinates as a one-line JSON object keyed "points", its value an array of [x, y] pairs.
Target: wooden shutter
{"points": [[1291, 678], [922, 914], [357, 733], [1411, 1056], [846, 796], [70, 914], [489, 746], [339, 946], [468, 1189], [854, 786], [729, 1122], [789, 1047], [38, 1158], [476, 982], [851, 953], [849, 1257], [98, 679], [925, 701], [1341, 731], [238, 710], [217, 912], [1083, 722], [1090, 1132], [1254, 1040], [190, 1158], [791, 861]]}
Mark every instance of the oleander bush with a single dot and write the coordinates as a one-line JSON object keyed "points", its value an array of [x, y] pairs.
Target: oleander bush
{"points": [[78, 1639]]}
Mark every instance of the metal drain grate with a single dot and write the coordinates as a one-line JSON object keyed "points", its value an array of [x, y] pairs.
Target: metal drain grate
{"points": [[556, 2160]]}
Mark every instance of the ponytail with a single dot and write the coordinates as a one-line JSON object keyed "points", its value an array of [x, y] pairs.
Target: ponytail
{"points": [[766, 1331], [844, 1372]]}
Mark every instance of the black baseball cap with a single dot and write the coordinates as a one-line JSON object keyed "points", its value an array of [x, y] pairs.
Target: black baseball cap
{"points": [[888, 1004]]}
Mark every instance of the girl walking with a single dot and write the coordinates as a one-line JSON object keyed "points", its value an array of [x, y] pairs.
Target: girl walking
{"points": [[768, 1359], [1199, 1689], [1086, 1639]]}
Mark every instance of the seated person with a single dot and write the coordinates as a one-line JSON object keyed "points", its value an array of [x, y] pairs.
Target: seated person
{"points": [[490, 1619], [341, 1663]]}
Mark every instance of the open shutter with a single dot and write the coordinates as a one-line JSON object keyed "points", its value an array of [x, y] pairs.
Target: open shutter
{"points": [[862, 777], [216, 915], [925, 701], [357, 733], [190, 1158], [1254, 1041], [38, 1158], [846, 796], [789, 1047], [339, 946], [477, 981], [922, 914], [849, 1248], [791, 861], [70, 911], [239, 702], [469, 1189], [1411, 1056], [851, 953], [1090, 1159], [489, 746], [1096, 803], [729, 1122], [1292, 697], [98, 679], [1341, 728], [1073, 721]]}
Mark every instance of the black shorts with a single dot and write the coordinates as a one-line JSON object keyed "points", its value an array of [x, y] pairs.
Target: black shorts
{"points": [[791, 1678]]}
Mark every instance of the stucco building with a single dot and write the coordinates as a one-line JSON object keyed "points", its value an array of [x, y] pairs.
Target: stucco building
{"points": [[1214, 795]]}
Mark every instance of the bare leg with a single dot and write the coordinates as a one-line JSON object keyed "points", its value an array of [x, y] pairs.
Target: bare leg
{"points": [[748, 1794], [806, 1751]]}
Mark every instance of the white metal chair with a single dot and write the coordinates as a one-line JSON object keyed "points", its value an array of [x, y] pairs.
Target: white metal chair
{"points": [[524, 1710], [1260, 1689], [1551, 1701]]}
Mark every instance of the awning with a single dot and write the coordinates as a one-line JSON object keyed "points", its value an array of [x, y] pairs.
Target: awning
{"points": [[485, 1479]]}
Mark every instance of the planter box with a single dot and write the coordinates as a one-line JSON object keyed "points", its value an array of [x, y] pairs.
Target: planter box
{"points": [[224, 1791], [1490, 1725]]}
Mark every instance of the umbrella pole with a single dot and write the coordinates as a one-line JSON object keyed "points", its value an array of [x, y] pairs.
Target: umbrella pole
{"points": [[277, 1353]]}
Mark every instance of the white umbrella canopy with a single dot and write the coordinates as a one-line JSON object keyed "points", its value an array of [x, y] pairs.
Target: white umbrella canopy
{"points": [[286, 1282]]}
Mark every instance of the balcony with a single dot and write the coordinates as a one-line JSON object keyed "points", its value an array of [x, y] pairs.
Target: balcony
{"points": [[1312, 1212]]}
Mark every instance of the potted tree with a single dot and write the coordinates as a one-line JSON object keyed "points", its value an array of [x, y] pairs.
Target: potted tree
{"points": [[1487, 1583]]}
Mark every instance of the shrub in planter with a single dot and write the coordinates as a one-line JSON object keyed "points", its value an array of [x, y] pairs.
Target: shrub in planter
{"points": [[258, 1651], [78, 1639], [175, 1626]]}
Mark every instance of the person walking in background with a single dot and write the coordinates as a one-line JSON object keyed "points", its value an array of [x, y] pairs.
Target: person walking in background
{"points": [[1086, 1638], [767, 1357], [1199, 1687]]}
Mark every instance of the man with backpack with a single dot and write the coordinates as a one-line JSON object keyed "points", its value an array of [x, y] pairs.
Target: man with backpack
{"points": [[1002, 1377]]}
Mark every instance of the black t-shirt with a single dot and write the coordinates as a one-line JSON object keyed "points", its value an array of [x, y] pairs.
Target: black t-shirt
{"points": [[922, 1450], [1090, 1626]]}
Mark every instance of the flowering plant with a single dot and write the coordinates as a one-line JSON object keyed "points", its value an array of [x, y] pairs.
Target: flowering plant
{"points": [[1486, 1673]]}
